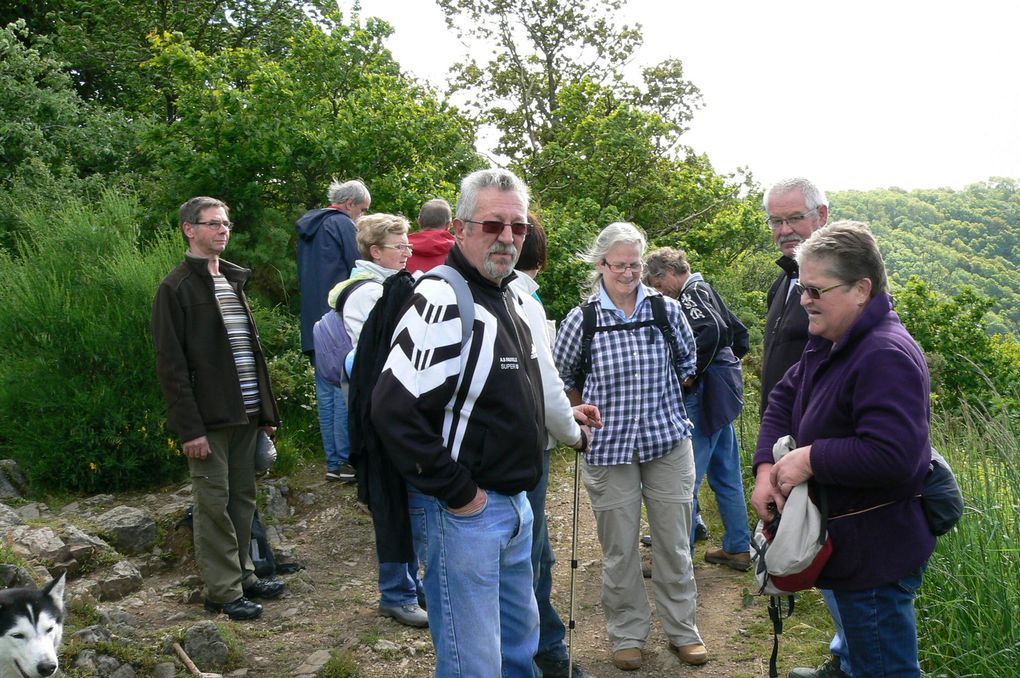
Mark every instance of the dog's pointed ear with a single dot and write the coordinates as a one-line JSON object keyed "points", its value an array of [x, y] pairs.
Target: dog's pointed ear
{"points": [[55, 590]]}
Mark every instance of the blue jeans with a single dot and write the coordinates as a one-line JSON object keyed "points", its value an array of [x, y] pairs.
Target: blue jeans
{"points": [[398, 584], [718, 456], [837, 646], [332, 422], [881, 628], [479, 585], [551, 631]]}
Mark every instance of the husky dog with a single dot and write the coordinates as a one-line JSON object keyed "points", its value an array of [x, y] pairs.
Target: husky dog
{"points": [[31, 628]]}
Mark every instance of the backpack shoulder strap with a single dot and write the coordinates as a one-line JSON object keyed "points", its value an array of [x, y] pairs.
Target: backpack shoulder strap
{"points": [[661, 321], [465, 300], [589, 322], [345, 293]]}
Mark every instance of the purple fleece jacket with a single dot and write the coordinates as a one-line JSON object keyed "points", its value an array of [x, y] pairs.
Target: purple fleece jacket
{"points": [[863, 405]]}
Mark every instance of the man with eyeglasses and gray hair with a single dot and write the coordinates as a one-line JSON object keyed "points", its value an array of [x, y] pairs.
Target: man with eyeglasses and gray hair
{"points": [[463, 421], [795, 208], [214, 378]]}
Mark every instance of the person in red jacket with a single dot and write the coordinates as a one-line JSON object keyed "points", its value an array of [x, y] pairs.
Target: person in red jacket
{"points": [[434, 241]]}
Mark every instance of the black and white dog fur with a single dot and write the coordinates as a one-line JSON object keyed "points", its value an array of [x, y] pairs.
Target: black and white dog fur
{"points": [[31, 628]]}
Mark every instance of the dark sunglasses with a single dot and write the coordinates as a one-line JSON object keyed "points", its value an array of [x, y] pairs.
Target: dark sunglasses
{"points": [[814, 292], [493, 227]]}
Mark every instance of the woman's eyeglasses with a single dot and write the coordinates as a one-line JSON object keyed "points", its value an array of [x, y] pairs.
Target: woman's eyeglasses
{"points": [[403, 247]]}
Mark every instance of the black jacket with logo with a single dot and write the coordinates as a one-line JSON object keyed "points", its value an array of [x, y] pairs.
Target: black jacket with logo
{"points": [[454, 419]]}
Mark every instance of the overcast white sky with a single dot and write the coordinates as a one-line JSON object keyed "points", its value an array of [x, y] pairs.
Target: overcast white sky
{"points": [[855, 95]]}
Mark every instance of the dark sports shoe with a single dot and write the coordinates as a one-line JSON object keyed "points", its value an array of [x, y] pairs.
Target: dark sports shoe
{"points": [[265, 588], [344, 473], [700, 530], [559, 668], [830, 669], [240, 609]]}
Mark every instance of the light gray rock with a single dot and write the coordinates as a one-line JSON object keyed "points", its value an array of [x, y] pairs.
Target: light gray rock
{"points": [[313, 664], [164, 670], [276, 503], [40, 543], [90, 635], [130, 530], [34, 511], [96, 663], [205, 645], [9, 517], [123, 579], [124, 671], [83, 545], [13, 483]]}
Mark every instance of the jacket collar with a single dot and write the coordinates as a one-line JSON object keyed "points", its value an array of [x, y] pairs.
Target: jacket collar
{"points": [[232, 272], [789, 266]]}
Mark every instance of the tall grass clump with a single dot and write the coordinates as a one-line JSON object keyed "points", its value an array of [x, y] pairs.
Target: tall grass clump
{"points": [[969, 607], [80, 408]]}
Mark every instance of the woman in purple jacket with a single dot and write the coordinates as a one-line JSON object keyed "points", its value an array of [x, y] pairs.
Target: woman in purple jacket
{"points": [[857, 404]]}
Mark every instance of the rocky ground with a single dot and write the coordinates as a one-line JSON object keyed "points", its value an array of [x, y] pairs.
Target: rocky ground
{"points": [[329, 609]]}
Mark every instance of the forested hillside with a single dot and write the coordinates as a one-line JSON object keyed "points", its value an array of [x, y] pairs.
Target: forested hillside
{"points": [[949, 238]]}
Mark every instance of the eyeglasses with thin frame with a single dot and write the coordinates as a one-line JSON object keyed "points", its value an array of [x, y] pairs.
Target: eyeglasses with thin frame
{"points": [[402, 246], [815, 292], [793, 220], [215, 225], [493, 227], [620, 267]]}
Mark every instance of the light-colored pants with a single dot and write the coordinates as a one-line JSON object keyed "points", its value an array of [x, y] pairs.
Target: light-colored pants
{"points": [[223, 491], [667, 486]]}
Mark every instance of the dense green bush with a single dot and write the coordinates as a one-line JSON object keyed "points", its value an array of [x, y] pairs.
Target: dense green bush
{"points": [[80, 406]]}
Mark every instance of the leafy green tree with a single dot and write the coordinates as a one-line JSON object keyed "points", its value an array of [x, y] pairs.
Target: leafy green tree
{"points": [[265, 134], [542, 46], [968, 365], [49, 138], [106, 44]]}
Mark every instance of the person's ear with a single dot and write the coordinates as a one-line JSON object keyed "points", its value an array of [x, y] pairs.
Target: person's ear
{"points": [[823, 214]]}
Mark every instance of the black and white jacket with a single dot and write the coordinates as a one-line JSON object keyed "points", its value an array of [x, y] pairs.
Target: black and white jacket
{"points": [[454, 419]]}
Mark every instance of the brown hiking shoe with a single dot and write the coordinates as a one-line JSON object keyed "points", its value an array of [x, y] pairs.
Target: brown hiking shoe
{"points": [[738, 561], [627, 659]]}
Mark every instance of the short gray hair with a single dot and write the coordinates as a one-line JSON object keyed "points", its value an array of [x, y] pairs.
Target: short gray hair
{"points": [[613, 234], [434, 214], [666, 259], [355, 190], [191, 211], [814, 197], [849, 252], [498, 178]]}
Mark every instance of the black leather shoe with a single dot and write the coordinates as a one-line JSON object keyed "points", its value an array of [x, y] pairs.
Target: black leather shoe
{"points": [[265, 588], [242, 608]]}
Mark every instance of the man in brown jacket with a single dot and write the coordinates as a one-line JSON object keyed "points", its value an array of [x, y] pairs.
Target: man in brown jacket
{"points": [[216, 385]]}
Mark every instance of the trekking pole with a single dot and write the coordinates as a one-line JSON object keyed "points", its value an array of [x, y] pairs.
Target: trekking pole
{"points": [[573, 552]]}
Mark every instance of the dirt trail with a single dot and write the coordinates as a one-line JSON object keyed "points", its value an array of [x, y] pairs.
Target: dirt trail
{"points": [[331, 604]]}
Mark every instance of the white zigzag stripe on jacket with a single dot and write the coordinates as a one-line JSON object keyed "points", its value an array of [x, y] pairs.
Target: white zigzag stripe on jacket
{"points": [[430, 354]]}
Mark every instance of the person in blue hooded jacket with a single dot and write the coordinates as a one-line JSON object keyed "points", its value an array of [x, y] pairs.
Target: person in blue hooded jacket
{"points": [[326, 249]]}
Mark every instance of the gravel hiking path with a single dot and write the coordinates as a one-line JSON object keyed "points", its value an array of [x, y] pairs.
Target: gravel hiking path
{"points": [[331, 603]]}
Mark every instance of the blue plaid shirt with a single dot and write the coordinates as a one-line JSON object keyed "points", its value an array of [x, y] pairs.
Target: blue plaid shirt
{"points": [[632, 380]]}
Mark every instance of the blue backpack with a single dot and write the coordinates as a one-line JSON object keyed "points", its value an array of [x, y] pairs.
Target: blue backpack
{"points": [[330, 338]]}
